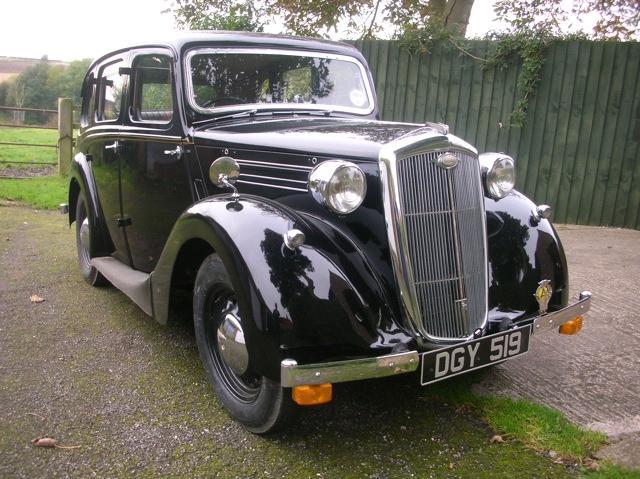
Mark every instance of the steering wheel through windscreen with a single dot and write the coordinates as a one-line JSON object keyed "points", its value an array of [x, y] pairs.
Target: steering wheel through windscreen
{"points": [[223, 101]]}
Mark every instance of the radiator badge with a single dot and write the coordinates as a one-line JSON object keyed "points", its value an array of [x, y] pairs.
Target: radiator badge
{"points": [[447, 161], [543, 295]]}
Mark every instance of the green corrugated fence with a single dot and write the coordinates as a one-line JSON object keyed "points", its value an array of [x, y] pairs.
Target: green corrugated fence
{"points": [[579, 149]]}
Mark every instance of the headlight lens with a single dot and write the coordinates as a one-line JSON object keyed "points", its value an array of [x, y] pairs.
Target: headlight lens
{"points": [[339, 185], [499, 174]]}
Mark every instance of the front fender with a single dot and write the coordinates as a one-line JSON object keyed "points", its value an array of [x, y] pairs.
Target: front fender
{"points": [[522, 252], [318, 300]]}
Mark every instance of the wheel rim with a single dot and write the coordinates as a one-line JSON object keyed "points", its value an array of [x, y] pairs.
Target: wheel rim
{"points": [[221, 312], [84, 236]]}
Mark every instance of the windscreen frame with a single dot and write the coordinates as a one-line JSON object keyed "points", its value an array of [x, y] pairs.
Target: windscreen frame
{"points": [[189, 89]]}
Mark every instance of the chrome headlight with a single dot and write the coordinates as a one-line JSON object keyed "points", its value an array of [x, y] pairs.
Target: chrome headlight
{"points": [[498, 173], [339, 185]]}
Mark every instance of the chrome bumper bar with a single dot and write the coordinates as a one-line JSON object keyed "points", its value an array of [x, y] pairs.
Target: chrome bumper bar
{"points": [[555, 319], [293, 374]]}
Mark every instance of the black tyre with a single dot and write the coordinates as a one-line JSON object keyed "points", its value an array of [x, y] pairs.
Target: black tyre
{"points": [[83, 243], [258, 403]]}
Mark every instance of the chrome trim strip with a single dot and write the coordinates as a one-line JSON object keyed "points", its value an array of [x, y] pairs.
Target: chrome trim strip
{"points": [[275, 106], [555, 319], [272, 178], [267, 164], [136, 136], [293, 374], [422, 141], [272, 186]]}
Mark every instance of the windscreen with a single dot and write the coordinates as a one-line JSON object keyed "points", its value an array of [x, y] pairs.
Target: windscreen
{"points": [[231, 78]]}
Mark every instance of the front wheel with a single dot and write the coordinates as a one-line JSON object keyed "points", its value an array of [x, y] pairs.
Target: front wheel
{"points": [[255, 401]]}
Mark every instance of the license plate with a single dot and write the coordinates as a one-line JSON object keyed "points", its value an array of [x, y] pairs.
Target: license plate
{"points": [[478, 353]]}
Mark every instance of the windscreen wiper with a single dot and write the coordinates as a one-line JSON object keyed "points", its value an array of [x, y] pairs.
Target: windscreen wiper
{"points": [[255, 112], [239, 114]]}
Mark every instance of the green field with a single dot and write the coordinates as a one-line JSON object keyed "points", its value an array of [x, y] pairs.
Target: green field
{"points": [[20, 155], [45, 192]]}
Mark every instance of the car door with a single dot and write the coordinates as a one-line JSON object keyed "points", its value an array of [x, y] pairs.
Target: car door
{"points": [[155, 179], [104, 146]]}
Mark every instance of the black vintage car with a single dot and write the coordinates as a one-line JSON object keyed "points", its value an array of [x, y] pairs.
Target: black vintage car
{"points": [[315, 243]]}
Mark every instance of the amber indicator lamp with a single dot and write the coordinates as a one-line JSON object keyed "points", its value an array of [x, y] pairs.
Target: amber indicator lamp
{"points": [[312, 394], [571, 327]]}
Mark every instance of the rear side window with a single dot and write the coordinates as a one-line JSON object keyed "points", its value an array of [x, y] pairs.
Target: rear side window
{"points": [[88, 102], [153, 94], [111, 90]]}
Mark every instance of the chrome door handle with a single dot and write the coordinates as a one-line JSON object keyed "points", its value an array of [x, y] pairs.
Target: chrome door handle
{"points": [[177, 152], [113, 146]]}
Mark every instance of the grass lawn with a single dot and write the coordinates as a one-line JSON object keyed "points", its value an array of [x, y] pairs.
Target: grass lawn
{"points": [[45, 192], [19, 155]]}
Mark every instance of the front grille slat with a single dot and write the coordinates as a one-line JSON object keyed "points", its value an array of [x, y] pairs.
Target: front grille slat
{"points": [[442, 217]]}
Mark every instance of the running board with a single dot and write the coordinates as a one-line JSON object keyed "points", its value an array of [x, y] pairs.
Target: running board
{"points": [[135, 284]]}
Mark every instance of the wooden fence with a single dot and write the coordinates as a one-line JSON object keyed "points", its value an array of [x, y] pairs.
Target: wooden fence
{"points": [[65, 126], [579, 149]]}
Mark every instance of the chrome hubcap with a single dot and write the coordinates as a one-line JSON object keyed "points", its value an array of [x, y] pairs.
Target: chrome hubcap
{"points": [[85, 239], [84, 233], [231, 344]]}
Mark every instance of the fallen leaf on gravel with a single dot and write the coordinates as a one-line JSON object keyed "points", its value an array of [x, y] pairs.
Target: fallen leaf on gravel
{"points": [[36, 299], [497, 438], [591, 464], [50, 442], [44, 442]]}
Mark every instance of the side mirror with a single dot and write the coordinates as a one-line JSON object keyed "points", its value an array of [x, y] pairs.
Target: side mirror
{"points": [[224, 172]]}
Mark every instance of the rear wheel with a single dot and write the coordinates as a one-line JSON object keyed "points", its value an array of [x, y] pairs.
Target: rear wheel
{"points": [[83, 243], [260, 404]]}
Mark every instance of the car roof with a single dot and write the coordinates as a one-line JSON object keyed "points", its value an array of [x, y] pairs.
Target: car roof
{"points": [[180, 40]]}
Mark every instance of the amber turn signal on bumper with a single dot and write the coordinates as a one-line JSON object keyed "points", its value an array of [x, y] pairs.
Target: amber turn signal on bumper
{"points": [[312, 394], [571, 327]]}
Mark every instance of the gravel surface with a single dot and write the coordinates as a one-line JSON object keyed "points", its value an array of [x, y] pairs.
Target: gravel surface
{"points": [[89, 369]]}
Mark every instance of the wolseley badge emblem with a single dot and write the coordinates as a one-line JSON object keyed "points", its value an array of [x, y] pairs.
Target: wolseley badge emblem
{"points": [[447, 161], [543, 295]]}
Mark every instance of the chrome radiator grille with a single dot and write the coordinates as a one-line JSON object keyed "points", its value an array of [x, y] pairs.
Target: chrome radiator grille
{"points": [[441, 216]]}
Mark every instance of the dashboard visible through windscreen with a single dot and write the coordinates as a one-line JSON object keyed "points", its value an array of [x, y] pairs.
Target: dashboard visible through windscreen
{"points": [[276, 79]]}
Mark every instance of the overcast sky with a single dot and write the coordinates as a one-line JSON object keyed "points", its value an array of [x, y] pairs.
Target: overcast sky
{"points": [[74, 29]]}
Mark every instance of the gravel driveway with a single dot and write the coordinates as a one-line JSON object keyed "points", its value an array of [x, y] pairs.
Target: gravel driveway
{"points": [[87, 367]]}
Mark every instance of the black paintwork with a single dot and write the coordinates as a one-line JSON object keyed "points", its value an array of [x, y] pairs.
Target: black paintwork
{"points": [[335, 297]]}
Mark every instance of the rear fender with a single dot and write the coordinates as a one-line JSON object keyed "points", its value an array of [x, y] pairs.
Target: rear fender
{"points": [[82, 183]]}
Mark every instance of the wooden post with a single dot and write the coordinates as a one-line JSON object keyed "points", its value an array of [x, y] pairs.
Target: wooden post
{"points": [[65, 135]]}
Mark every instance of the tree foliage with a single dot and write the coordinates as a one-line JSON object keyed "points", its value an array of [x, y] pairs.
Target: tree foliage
{"points": [[614, 19], [366, 18], [218, 15], [40, 85]]}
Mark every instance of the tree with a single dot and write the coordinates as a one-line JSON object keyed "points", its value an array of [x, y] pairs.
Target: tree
{"points": [[426, 19], [67, 81], [318, 17], [616, 19], [4, 90], [217, 15]]}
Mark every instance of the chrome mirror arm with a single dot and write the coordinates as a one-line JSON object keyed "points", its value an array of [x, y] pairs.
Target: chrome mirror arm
{"points": [[224, 179]]}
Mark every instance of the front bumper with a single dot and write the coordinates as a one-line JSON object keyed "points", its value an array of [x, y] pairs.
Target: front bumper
{"points": [[293, 374]]}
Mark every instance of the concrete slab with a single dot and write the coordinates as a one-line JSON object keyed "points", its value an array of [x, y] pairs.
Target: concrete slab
{"points": [[594, 377]]}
